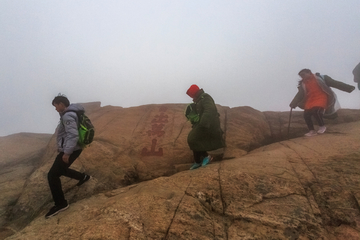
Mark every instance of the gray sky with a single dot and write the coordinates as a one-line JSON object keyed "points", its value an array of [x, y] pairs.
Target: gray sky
{"points": [[131, 53]]}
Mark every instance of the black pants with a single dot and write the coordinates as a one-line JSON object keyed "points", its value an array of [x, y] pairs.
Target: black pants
{"points": [[60, 168], [199, 156], [318, 113]]}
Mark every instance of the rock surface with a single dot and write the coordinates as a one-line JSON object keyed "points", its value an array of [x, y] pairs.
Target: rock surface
{"points": [[304, 188], [20, 154], [285, 190]]}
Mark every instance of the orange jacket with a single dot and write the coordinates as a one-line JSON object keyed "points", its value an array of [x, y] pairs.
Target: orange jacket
{"points": [[315, 96]]}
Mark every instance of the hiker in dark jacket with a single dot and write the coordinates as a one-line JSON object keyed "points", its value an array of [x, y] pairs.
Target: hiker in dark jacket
{"points": [[206, 134], [69, 150], [317, 99], [356, 73]]}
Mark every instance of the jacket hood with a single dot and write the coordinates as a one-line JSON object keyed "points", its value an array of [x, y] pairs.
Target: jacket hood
{"points": [[74, 107]]}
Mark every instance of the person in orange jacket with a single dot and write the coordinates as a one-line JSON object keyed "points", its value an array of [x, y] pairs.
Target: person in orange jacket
{"points": [[317, 99]]}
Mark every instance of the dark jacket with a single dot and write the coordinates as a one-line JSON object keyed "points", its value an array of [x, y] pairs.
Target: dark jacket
{"points": [[206, 134], [325, 82], [356, 73]]}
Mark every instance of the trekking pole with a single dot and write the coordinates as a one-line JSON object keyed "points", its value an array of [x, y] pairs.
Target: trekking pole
{"points": [[289, 122]]}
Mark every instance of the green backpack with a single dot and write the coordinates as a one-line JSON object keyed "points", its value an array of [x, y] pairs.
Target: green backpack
{"points": [[86, 129], [191, 114]]}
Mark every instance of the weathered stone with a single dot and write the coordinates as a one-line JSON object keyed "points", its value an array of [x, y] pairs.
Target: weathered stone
{"points": [[302, 188]]}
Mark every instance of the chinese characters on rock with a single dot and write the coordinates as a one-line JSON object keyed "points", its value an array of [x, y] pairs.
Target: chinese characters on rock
{"points": [[158, 123]]}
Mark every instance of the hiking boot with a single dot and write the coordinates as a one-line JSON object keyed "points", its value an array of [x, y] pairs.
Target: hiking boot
{"points": [[81, 182], [322, 129], [56, 209], [206, 160], [195, 166], [311, 133]]}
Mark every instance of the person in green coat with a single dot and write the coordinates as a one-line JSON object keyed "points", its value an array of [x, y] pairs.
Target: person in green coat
{"points": [[206, 133]]}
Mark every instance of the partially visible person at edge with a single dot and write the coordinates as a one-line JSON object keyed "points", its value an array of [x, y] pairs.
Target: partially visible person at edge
{"points": [[356, 73], [206, 134], [68, 151], [317, 99]]}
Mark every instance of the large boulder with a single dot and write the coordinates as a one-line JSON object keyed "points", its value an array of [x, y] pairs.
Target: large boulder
{"points": [[303, 188], [138, 144]]}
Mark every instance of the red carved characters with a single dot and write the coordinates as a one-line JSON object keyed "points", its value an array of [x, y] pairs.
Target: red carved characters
{"points": [[152, 152], [156, 130]]}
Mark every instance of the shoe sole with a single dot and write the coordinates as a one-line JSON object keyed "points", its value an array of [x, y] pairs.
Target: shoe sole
{"points": [[195, 167], [63, 209]]}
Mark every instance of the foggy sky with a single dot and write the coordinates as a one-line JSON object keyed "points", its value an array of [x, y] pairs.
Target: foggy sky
{"points": [[131, 53]]}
